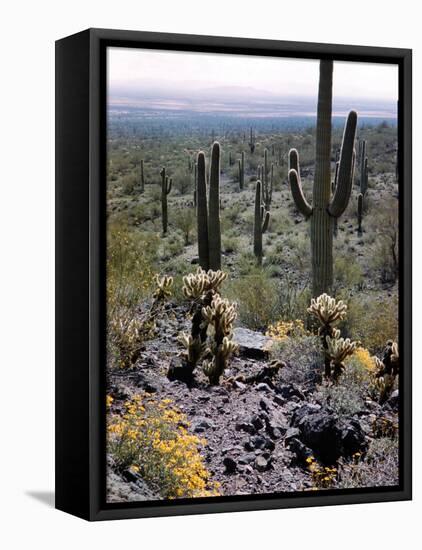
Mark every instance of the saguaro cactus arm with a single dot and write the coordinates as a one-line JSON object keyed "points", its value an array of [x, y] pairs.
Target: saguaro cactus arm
{"points": [[343, 188], [296, 186]]}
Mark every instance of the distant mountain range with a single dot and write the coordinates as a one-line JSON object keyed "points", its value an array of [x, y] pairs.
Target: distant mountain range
{"points": [[238, 101]]}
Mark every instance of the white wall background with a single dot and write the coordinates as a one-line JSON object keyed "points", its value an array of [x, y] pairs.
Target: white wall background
{"points": [[28, 31]]}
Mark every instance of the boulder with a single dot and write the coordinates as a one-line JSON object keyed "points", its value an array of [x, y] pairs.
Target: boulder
{"points": [[230, 465], [252, 344], [327, 435]]}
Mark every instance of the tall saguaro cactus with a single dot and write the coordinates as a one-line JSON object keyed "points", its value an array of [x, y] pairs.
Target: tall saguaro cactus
{"points": [[325, 207], [267, 185], [242, 171], [166, 184], [208, 212], [214, 232], [252, 142], [261, 220]]}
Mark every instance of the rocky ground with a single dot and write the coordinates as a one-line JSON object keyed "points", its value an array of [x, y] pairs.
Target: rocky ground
{"points": [[260, 428]]}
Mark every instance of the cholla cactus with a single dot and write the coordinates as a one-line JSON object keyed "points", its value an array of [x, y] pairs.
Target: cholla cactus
{"points": [[196, 285], [328, 311], [200, 287], [220, 316], [163, 290], [385, 386], [127, 335], [337, 351], [194, 348], [387, 370]]}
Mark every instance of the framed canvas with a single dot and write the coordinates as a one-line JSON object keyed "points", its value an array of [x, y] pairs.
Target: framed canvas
{"points": [[233, 274]]}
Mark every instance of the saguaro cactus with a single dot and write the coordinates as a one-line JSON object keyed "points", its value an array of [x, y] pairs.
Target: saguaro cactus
{"points": [[325, 207], [364, 176], [267, 187], [261, 220], [142, 176], [214, 232], [166, 184], [360, 213], [208, 215], [242, 171], [195, 172], [252, 142]]}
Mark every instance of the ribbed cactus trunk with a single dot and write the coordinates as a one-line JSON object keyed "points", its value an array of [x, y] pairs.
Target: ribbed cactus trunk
{"points": [[261, 220], [164, 209], [202, 213], [214, 232], [195, 176], [321, 222], [242, 172]]}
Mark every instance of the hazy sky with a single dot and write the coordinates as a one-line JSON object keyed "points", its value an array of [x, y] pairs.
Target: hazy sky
{"points": [[132, 68]]}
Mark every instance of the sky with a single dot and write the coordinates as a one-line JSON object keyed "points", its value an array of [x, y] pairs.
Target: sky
{"points": [[132, 68]]}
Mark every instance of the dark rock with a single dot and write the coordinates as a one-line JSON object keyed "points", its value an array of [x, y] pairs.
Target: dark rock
{"points": [[148, 383], [261, 442], [263, 387], [201, 424], [288, 391], [291, 433], [230, 464], [300, 449], [246, 459], [178, 370], [265, 404], [277, 424], [245, 427], [257, 422], [394, 400], [261, 464], [252, 344], [278, 400], [328, 436]]}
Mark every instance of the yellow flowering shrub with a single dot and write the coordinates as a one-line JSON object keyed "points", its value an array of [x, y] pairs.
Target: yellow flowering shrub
{"points": [[285, 329], [152, 437], [364, 359], [323, 477], [360, 367]]}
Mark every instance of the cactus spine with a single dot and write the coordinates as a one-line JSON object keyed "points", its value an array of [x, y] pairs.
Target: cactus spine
{"points": [[261, 220], [242, 171], [208, 215], [142, 176], [325, 207], [166, 184]]}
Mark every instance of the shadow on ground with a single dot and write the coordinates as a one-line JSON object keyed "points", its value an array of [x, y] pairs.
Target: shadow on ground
{"points": [[45, 497]]}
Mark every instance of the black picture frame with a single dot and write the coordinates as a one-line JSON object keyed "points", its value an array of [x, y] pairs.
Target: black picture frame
{"points": [[80, 271]]}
